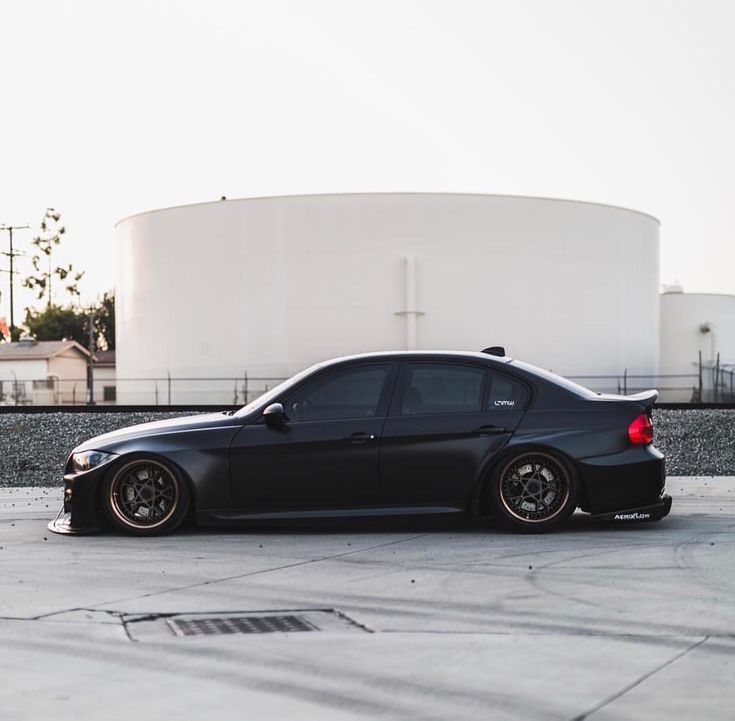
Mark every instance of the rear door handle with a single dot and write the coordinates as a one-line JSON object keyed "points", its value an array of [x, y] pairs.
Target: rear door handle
{"points": [[490, 430], [360, 437]]}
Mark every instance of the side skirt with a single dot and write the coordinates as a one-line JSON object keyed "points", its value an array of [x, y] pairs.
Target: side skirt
{"points": [[227, 517]]}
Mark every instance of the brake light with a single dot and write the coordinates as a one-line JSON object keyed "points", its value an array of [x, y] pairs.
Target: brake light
{"points": [[640, 431]]}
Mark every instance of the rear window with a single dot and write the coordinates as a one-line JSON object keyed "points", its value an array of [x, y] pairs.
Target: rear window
{"points": [[505, 394], [442, 388], [565, 383]]}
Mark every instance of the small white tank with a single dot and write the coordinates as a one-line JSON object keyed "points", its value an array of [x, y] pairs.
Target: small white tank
{"points": [[692, 323]]}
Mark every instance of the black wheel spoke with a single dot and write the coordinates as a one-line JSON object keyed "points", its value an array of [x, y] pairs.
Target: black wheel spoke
{"points": [[144, 494], [534, 487]]}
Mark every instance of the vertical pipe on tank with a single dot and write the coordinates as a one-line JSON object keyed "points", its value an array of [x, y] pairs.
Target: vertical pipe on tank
{"points": [[411, 302]]}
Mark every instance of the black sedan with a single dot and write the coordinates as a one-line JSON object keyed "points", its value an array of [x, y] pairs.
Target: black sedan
{"points": [[381, 434]]}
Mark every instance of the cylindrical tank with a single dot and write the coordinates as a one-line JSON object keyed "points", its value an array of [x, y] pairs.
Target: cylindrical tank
{"points": [[694, 323], [267, 286]]}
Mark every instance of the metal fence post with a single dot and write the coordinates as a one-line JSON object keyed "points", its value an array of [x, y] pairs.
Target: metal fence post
{"points": [[700, 377]]}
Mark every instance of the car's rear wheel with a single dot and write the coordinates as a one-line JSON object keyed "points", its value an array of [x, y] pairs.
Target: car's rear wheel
{"points": [[533, 491], [145, 496]]}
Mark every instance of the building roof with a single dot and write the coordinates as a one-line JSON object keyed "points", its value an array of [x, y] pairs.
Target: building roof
{"points": [[104, 358], [38, 350]]}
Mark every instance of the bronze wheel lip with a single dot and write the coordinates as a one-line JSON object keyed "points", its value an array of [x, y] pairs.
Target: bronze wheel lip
{"points": [[113, 494], [517, 459]]}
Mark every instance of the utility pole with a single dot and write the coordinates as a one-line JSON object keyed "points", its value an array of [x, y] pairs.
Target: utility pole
{"points": [[11, 254], [90, 361]]}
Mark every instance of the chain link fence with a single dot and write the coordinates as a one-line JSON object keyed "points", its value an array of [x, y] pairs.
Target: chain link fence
{"points": [[162, 391], [715, 384]]}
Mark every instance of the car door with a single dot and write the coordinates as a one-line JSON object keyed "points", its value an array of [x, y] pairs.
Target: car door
{"points": [[326, 454], [446, 420]]}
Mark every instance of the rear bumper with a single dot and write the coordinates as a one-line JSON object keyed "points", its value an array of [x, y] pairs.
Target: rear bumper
{"points": [[654, 512], [632, 479]]}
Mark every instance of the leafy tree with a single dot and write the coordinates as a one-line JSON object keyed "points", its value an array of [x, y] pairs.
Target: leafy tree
{"points": [[57, 323], [104, 322], [49, 239]]}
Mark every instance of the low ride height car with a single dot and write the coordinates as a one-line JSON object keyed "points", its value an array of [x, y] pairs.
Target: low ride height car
{"points": [[381, 434]]}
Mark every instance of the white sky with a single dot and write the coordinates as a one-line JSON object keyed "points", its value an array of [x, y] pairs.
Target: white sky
{"points": [[111, 108]]}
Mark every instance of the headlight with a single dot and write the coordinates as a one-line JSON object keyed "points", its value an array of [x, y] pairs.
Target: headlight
{"points": [[86, 460]]}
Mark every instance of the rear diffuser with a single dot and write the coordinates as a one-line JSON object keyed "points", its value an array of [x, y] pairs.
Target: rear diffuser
{"points": [[642, 514]]}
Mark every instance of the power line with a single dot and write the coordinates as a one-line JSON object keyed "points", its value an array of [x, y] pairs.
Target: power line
{"points": [[12, 254]]}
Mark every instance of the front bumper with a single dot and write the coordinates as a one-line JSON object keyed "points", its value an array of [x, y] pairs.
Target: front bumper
{"points": [[642, 514], [63, 524], [79, 514]]}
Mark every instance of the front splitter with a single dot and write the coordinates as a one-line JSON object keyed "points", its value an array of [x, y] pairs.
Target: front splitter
{"points": [[62, 524], [654, 512]]}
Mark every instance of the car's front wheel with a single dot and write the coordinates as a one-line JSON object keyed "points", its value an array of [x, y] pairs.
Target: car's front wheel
{"points": [[533, 491], [145, 496]]}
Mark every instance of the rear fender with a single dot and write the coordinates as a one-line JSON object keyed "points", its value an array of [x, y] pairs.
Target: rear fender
{"points": [[478, 504]]}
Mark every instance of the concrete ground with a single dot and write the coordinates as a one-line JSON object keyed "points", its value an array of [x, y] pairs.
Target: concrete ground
{"points": [[432, 622]]}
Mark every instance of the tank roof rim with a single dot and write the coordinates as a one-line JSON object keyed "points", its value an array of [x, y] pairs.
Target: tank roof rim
{"points": [[286, 196]]}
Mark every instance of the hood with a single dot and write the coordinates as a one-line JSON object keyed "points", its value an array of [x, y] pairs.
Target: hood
{"points": [[107, 441]]}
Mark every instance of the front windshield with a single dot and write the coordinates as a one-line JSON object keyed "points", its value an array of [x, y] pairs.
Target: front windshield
{"points": [[273, 393]]}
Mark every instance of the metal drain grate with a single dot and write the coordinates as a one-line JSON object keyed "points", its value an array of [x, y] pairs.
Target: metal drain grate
{"points": [[243, 624], [178, 627]]}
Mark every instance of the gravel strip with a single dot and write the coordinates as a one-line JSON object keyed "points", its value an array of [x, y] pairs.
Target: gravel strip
{"points": [[34, 446], [697, 442]]}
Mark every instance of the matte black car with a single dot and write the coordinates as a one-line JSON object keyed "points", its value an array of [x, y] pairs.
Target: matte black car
{"points": [[381, 434]]}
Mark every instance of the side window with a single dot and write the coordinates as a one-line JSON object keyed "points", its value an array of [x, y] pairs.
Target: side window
{"points": [[439, 388], [506, 394], [348, 393]]}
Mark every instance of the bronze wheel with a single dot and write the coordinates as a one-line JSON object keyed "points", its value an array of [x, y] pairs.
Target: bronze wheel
{"points": [[145, 496], [534, 491]]}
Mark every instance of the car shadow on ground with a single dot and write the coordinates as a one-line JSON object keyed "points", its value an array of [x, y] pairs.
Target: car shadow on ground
{"points": [[579, 523]]}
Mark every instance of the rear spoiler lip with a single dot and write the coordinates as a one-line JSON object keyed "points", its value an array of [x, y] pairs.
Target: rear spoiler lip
{"points": [[646, 398]]}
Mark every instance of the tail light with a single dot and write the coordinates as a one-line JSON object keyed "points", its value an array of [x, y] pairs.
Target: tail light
{"points": [[640, 431]]}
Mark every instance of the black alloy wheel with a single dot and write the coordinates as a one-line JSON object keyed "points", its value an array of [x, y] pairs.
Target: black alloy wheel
{"points": [[145, 496], [533, 491]]}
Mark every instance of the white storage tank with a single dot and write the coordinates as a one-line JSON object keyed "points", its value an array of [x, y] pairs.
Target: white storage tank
{"points": [[694, 323], [267, 286]]}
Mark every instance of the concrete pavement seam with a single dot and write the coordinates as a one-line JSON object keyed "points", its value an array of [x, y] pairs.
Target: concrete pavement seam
{"points": [[640, 680], [259, 572]]}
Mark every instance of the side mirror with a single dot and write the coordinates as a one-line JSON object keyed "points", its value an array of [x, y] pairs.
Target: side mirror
{"points": [[274, 416]]}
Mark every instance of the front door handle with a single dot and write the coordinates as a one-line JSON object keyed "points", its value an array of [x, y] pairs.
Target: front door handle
{"points": [[490, 430], [360, 437]]}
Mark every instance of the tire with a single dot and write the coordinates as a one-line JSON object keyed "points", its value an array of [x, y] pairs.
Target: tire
{"points": [[533, 491], [145, 496]]}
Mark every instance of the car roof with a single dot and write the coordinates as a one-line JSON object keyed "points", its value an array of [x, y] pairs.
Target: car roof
{"points": [[398, 354]]}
